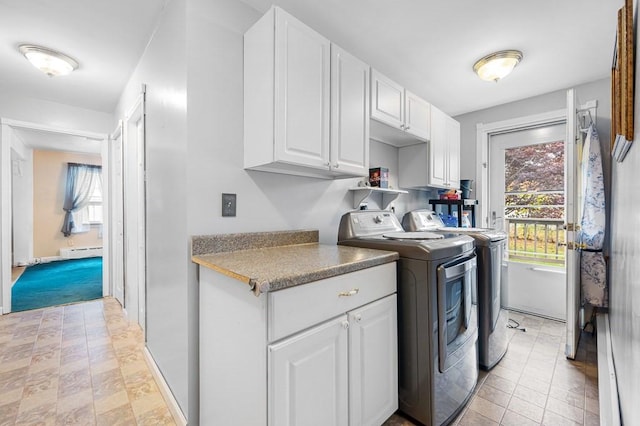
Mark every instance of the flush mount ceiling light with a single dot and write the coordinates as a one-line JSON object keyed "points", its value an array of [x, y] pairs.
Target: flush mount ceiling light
{"points": [[497, 65], [48, 61]]}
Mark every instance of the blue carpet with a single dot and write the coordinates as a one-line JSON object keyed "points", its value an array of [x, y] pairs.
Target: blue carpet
{"points": [[57, 283]]}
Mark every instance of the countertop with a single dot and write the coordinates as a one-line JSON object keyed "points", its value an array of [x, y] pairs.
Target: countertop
{"points": [[270, 262]]}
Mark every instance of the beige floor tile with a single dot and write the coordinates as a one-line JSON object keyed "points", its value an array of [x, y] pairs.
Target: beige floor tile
{"points": [[552, 419], [81, 416], [44, 414], [532, 396], [146, 403], [487, 408], [473, 418], [526, 409], [108, 383], [592, 406], [40, 399], [158, 416], [101, 367], [500, 383], [111, 402], [514, 419], [74, 382], [591, 419], [9, 412], [562, 408], [74, 401], [533, 382], [122, 415], [575, 399], [41, 381], [505, 373], [494, 395]]}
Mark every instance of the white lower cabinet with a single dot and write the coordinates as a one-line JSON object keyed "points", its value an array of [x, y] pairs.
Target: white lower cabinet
{"points": [[373, 357], [322, 353], [342, 372], [308, 377]]}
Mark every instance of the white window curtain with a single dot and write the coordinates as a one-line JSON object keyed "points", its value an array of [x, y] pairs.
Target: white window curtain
{"points": [[81, 182]]}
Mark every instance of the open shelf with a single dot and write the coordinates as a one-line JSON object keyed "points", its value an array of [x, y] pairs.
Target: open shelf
{"points": [[467, 204], [361, 193]]}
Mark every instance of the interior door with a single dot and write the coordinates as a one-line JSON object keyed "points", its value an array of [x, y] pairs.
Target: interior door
{"points": [[573, 213], [528, 199], [117, 215], [135, 214]]}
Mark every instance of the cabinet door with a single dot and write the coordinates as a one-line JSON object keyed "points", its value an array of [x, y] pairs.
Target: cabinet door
{"points": [[349, 114], [453, 153], [438, 148], [373, 362], [302, 78], [387, 100], [417, 116], [308, 377]]}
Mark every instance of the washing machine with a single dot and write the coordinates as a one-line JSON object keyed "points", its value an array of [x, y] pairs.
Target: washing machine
{"points": [[437, 321], [490, 244]]}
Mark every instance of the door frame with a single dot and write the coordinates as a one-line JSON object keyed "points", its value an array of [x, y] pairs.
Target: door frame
{"points": [[115, 213], [483, 134], [134, 158], [6, 131]]}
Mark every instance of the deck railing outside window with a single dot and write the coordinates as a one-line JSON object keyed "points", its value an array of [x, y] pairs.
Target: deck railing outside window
{"points": [[536, 240]]}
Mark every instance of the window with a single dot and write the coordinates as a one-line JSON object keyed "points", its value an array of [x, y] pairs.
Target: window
{"points": [[91, 214]]}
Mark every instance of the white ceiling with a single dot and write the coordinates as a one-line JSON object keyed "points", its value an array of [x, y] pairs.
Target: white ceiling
{"points": [[107, 38], [428, 46]]}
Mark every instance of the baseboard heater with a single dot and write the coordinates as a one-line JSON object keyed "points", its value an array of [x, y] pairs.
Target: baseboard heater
{"points": [[80, 252], [607, 382]]}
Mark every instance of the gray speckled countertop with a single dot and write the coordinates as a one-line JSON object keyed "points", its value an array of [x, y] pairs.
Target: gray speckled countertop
{"points": [[270, 261]]}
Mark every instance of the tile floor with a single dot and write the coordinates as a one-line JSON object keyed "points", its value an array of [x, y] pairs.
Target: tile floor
{"points": [[76, 364], [534, 384]]}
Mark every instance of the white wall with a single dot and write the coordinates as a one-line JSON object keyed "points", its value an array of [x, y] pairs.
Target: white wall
{"points": [[54, 114], [624, 295], [599, 90], [163, 69]]}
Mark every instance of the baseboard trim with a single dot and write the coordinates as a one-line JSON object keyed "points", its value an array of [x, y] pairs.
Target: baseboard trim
{"points": [[607, 382], [174, 408]]}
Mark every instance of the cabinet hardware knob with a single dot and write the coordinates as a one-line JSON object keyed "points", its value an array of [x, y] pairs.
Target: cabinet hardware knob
{"points": [[407, 127], [335, 166], [345, 324], [328, 164], [402, 126], [349, 293]]}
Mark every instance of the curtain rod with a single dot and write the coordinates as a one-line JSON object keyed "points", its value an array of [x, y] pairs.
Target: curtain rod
{"points": [[85, 165]]}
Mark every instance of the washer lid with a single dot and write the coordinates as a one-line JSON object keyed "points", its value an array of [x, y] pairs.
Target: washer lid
{"points": [[413, 236]]}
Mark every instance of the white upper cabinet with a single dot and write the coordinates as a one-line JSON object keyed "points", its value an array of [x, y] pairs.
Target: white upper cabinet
{"points": [[400, 117], [436, 164], [417, 116], [289, 102], [387, 100], [349, 114]]}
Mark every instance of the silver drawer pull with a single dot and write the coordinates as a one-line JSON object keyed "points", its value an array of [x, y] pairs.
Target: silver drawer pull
{"points": [[349, 293]]}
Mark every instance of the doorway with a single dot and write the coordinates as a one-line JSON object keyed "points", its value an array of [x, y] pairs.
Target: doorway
{"points": [[134, 213], [527, 200], [19, 141]]}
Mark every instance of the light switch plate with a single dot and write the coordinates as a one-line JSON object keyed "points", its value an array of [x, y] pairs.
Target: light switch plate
{"points": [[229, 205]]}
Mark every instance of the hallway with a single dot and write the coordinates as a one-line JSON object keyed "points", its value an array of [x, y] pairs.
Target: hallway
{"points": [[76, 364]]}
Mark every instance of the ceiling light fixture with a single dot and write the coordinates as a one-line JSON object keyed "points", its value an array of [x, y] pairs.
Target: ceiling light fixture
{"points": [[48, 61], [497, 65]]}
